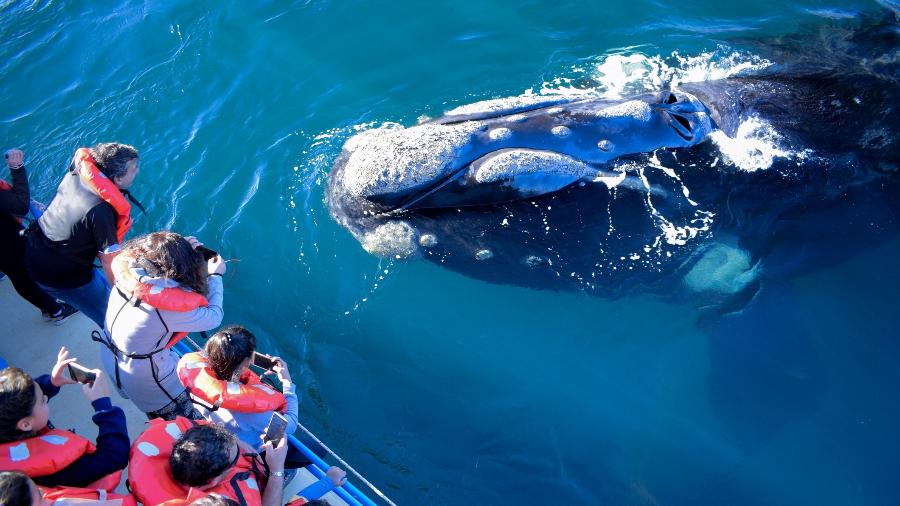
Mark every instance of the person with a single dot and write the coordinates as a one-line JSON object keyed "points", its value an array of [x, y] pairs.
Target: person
{"points": [[185, 460], [17, 489], [88, 217], [14, 202], [52, 457], [227, 392], [164, 288]]}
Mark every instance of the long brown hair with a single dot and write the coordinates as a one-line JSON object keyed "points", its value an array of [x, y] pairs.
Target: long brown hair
{"points": [[16, 402], [169, 255]]}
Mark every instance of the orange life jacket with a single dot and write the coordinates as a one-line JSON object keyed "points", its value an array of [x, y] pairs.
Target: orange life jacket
{"points": [[169, 299], [66, 496], [150, 477], [49, 452], [250, 395], [91, 177]]}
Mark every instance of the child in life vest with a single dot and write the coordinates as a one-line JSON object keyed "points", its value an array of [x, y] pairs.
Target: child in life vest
{"points": [[29, 443], [17, 489]]}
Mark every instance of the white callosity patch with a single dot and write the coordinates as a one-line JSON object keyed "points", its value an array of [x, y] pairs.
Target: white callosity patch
{"points": [[723, 269], [531, 172], [390, 160], [755, 145], [428, 240], [392, 239], [561, 131], [484, 254], [636, 109], [500, 134]]}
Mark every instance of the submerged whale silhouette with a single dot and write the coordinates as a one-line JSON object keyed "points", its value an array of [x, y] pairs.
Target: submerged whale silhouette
{"points": [[648, 192]]}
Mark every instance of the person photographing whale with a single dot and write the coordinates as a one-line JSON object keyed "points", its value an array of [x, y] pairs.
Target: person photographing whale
{"points": [[166, 285], [87, 219]]}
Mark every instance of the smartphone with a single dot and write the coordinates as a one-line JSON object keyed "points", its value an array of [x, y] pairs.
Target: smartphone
{"points": [[81, 374], [275, 430], [264, 361], [206, 252]]}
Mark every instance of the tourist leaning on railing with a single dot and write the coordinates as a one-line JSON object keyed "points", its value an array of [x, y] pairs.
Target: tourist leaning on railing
{"points": [[14, 202], [51, 457], [86, 220], [163, 289]]}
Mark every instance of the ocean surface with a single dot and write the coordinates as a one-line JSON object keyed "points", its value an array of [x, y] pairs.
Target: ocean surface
{"points": [[439, 388]]}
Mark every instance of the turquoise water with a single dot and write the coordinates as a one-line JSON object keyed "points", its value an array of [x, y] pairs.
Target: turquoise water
{"points": [[443, 389]]}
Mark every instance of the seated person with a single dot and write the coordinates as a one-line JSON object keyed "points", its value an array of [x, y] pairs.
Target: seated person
{"points": [[52, 457], [229, 393], [184, 460], [17, 489]]}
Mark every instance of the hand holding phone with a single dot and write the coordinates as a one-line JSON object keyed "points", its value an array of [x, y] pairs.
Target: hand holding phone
{"points": [[81, 374], [264, 361], [275, 430]]}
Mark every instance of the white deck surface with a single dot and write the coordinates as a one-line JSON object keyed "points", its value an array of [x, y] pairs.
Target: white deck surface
{"points": [[32, 344]]}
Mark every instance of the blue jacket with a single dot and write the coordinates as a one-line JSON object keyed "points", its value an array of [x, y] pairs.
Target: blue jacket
{"points": [[112, 443]]}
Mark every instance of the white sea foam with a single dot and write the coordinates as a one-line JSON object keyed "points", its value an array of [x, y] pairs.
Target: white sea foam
{"points": [[754, 147], [393, 239], [622, 74]]}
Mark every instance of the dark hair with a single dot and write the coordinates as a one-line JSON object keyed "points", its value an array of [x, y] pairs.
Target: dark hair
{"points": [[317, 502], [227, 348], [215, 500], [17, 401], [202, 453], [112, 158], [14, 489], [169, 255]]}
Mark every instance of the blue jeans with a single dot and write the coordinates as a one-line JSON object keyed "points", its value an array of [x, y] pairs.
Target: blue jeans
{"points": [[91, 298]]}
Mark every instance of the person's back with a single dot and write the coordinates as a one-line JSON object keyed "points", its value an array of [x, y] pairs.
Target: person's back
{"points": [[88, 217], [164, 288]]}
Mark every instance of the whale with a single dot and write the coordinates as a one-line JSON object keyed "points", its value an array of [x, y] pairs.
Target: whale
{"points": [[702, 188]]}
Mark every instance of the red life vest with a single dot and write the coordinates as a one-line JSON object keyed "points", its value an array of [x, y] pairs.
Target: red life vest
{"points": [[250, 395], [91, 177], [150, 477], [49, 452], [85, 496], [169, 299]]}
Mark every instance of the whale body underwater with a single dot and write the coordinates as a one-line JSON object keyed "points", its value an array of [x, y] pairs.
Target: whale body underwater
{"points": [[651, 192]]}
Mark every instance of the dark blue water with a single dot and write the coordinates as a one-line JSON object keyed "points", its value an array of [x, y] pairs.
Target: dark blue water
{"points": [[443, 389]]}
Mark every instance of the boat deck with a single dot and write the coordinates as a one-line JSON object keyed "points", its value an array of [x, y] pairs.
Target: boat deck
{"points": [[32, 344]]}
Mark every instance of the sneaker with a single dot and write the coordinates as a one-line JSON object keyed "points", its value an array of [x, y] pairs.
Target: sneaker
{"points": [[64, 314]]}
